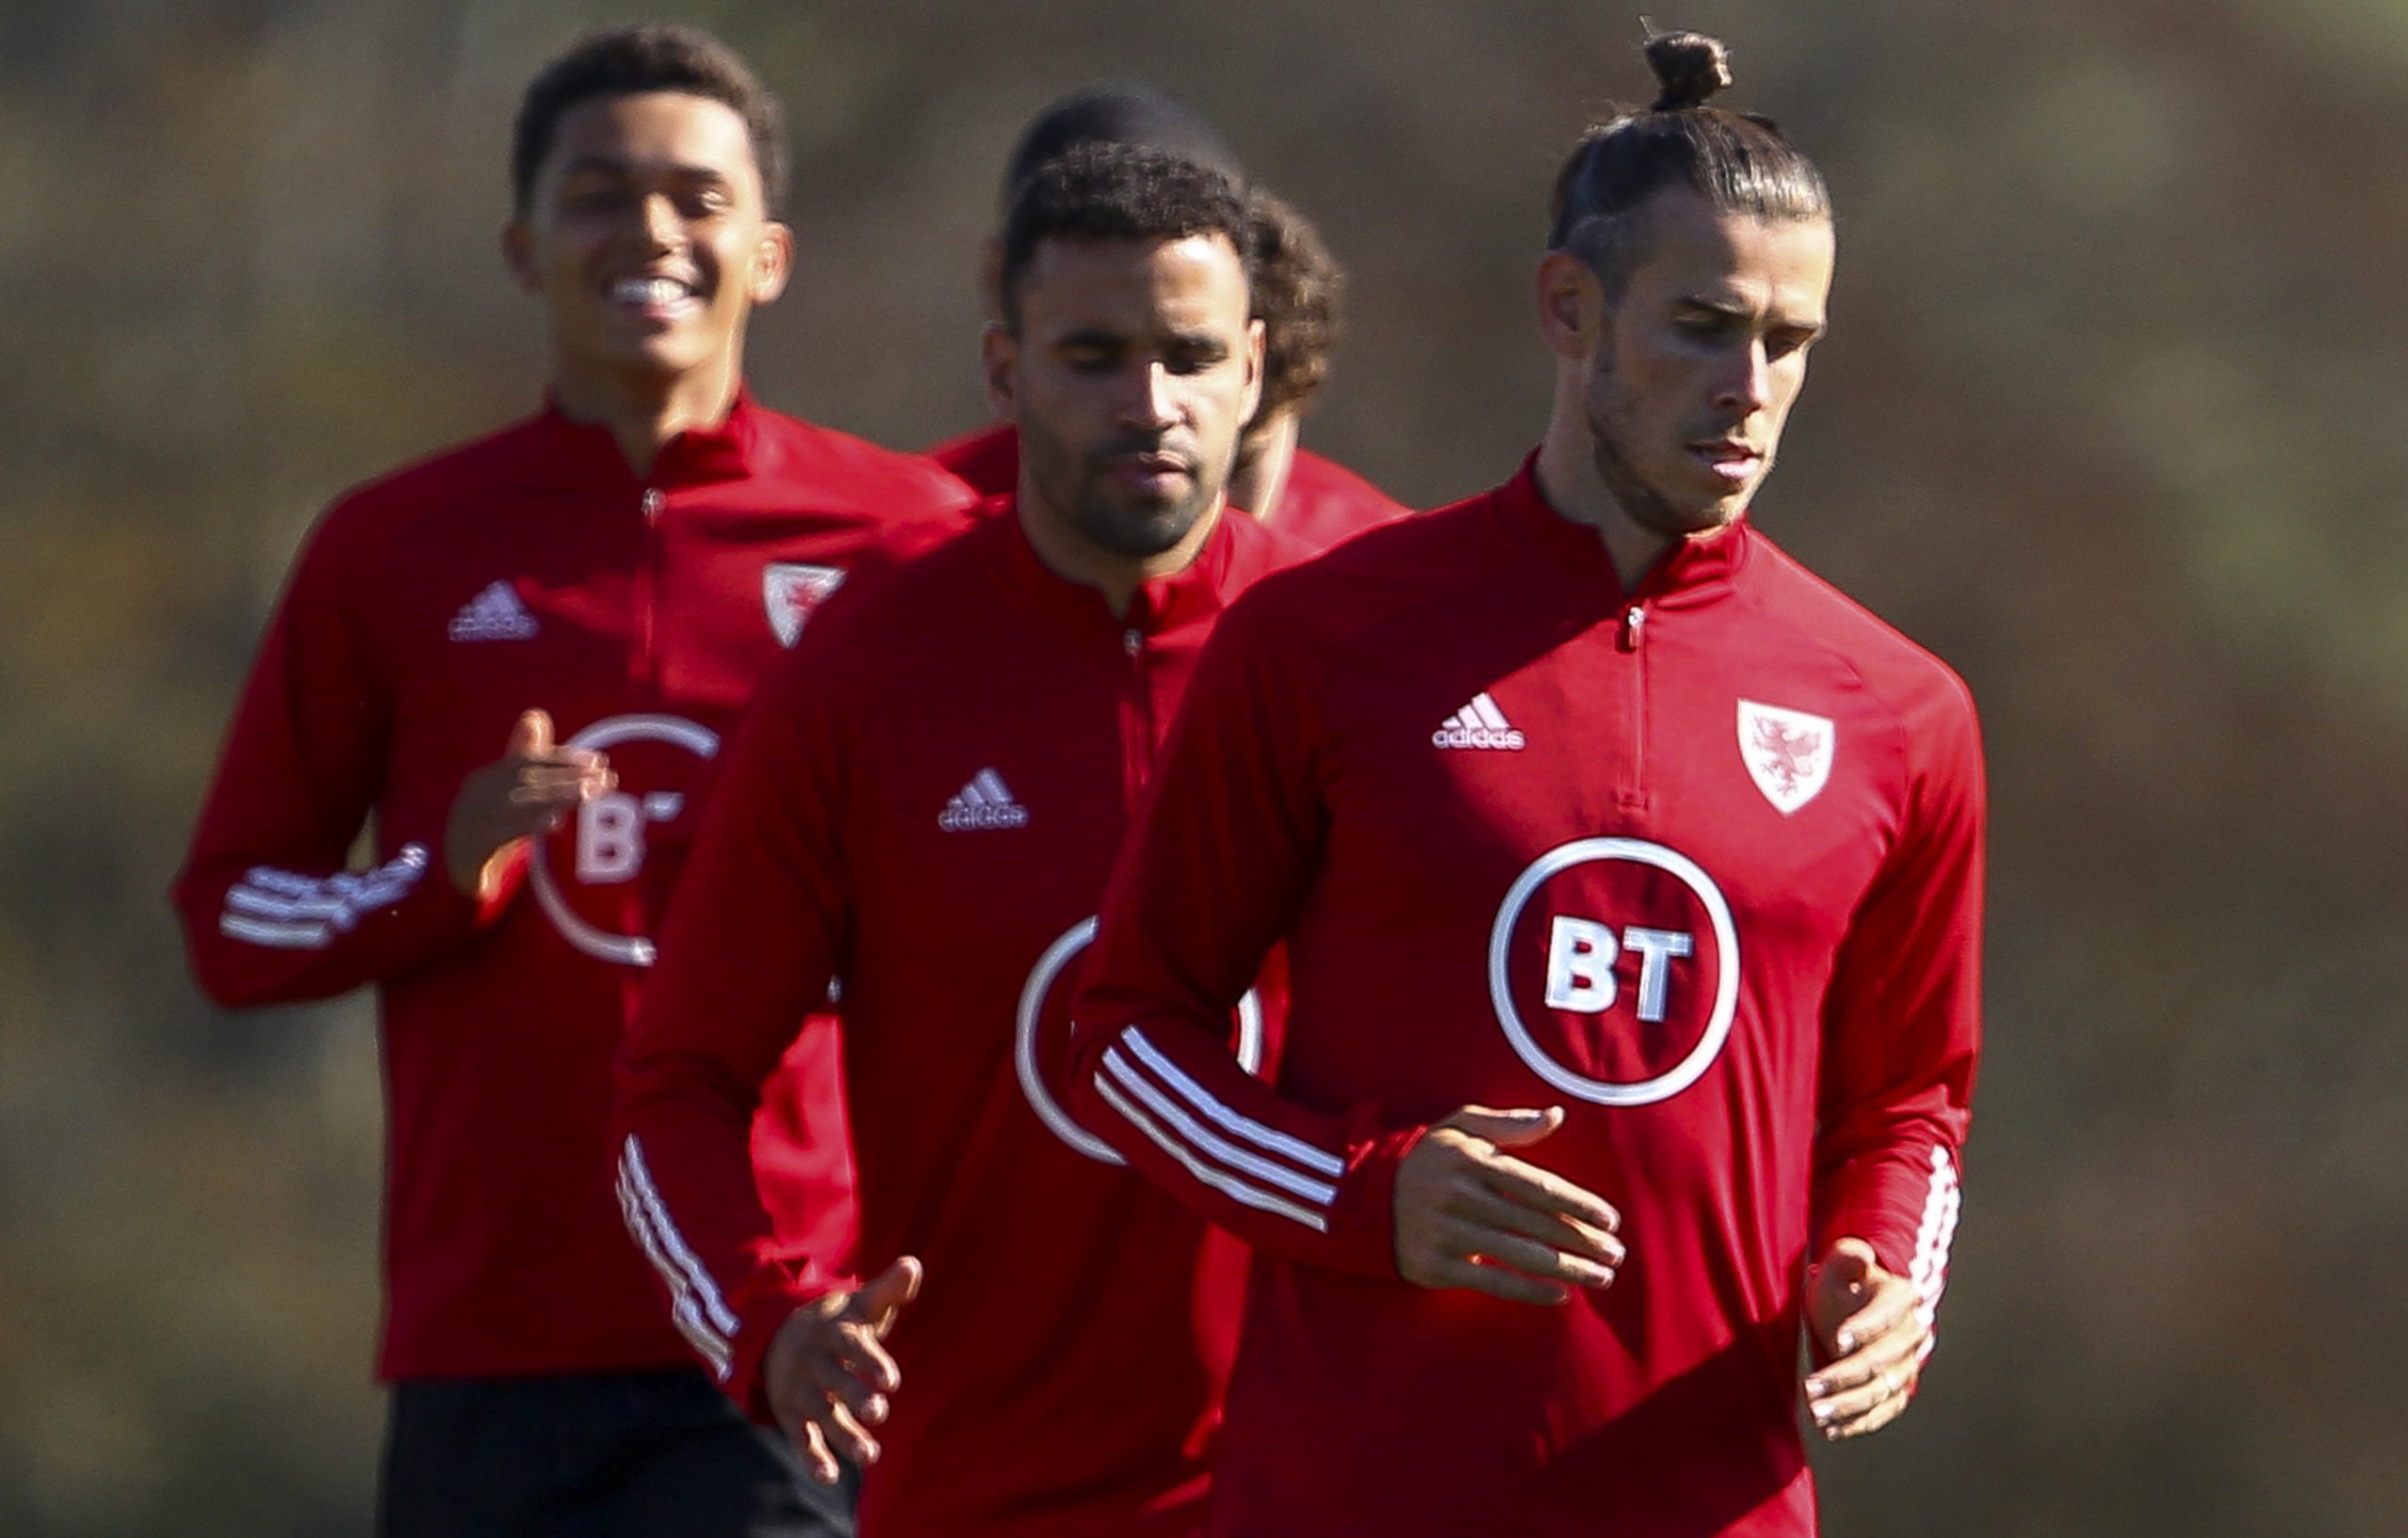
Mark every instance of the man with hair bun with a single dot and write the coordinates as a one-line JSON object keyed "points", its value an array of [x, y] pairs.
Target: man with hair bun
{"points": [[1297, 288], [926, 802], [514, 657], [1630, 882]]}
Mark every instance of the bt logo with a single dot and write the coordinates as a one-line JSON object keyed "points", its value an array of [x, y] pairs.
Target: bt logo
{"points": [[1581, 956], [611, 833], [1587, 969]]}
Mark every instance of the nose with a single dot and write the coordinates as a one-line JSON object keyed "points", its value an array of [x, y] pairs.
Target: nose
{"points": [[1746, 388], [1150, 402], [657, 218]]}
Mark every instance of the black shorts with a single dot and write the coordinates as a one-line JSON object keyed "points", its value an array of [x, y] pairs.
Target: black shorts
{"points": [[606, 1455]]}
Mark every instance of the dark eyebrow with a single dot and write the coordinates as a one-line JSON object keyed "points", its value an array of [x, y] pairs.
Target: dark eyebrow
{"points": [[1201, 344], [1712, 307], [1092, 337], [1726, 311]]}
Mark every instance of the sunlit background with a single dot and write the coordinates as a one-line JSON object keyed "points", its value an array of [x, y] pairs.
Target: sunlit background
{"points": [[2113, 416]]}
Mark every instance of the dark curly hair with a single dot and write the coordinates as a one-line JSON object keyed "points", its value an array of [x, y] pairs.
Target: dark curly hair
{"points": [[1298, 288], [650, 57], [1118, 192]]}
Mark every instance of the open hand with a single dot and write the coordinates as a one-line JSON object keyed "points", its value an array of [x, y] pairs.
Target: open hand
{"points": [[526, 791], [828, 1373], [1869, 1332], [1470, 1215]]}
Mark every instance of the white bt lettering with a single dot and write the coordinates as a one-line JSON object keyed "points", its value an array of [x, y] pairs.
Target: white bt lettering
{"points": [[1581, 956]]}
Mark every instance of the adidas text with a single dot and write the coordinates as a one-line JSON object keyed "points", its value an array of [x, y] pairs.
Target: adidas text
{"points": [[956, 819], [1478, 737], [494, 614], [985, 801], [1478, 724]]}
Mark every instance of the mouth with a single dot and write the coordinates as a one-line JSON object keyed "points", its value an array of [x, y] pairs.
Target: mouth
{"points": [[1733, 461], [654, 295], [1154, 473]]}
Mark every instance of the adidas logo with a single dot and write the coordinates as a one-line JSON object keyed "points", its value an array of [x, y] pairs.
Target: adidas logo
{"points": [[984, 803], [1478, 724], [495, 614]]}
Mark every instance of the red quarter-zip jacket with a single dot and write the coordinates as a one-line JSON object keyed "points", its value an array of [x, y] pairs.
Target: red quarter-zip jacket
{"points": [[427, 610], [1701, 863], [1322, 502], [925, 803]]}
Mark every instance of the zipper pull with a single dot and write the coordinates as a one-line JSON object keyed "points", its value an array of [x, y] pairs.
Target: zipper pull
{"points": [[653, 502], [1634, 620], [1133, 640]]}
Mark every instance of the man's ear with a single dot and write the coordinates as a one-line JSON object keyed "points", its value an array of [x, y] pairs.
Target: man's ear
{"points": [[998, 356], [772, 263], [1571, 305], [518, 253]]}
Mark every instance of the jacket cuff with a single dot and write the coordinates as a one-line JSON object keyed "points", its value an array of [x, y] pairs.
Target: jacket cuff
{"points": [[1362, 1219]]}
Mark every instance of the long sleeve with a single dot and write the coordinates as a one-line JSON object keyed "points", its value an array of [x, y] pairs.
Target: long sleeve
{"points": [[1902, 1018], [271, 913], [1216, 869], [757, 930]]}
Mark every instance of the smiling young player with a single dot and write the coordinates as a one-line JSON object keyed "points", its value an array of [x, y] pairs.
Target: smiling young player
{"points": [[1631, 882], [589, 595]]}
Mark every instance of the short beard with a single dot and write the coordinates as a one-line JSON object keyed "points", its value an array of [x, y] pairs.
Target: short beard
{"points": [[1639, 502], [1138, 532]]}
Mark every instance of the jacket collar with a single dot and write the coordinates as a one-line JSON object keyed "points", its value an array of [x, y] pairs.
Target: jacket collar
{"points": [[1161, 604], [1695, 570], [585, 452]]}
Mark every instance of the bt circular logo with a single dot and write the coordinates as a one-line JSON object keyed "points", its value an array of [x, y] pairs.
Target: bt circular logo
{"points": [[1635, 961], [609, 834], [1033, 1015]]}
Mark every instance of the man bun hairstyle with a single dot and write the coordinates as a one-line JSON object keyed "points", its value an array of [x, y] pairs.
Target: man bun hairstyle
{"points": [[1118, 192], [1739, 162], [628, 61], [1118, 113], [1298, 287]]}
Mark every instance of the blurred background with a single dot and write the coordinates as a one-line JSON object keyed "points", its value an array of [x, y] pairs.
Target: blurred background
{"points": [[2114, 416]]}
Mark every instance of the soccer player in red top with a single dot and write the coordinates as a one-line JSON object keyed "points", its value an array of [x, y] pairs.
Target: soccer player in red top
{"points": [[925, 803], [1296, 286], [1631, 882], [615, 571]]}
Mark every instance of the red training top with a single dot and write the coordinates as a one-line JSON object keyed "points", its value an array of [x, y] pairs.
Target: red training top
{"points": [[1701, 863], [427, 610], [926, 804], [1322, 503]]}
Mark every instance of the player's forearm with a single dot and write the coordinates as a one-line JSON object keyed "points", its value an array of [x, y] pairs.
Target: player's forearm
{"points": [[1169, 1096], [269, 930], [682, 1170]]}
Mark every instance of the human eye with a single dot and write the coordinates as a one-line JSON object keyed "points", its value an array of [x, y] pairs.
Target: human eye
{"points": [[593, 195], [1192, 357], [1081, 355]]}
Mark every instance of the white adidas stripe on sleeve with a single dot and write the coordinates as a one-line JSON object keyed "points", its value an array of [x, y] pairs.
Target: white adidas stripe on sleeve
{"points": [[701, 1313], [300, 937], [1320, 1161], [1929, 1271], [289, 911], [1221, 1181], [1210, 1144]]}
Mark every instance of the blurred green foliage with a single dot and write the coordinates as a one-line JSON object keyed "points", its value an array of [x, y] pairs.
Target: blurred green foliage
{"points": [[2114, 416]]}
